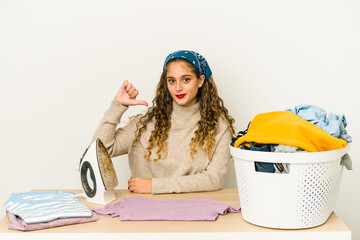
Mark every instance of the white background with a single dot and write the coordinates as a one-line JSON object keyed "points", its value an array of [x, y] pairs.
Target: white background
{"points": [[61, 63]]}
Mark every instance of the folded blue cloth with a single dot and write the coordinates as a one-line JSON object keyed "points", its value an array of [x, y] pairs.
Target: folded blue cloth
{"points": [[333, 124], [45, 206]]}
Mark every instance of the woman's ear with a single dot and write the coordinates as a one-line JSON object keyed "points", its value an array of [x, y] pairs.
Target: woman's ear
{"points": [[201, 81]]}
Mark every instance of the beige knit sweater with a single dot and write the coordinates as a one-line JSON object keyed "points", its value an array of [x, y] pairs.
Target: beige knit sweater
{"points": [[177, 172]]}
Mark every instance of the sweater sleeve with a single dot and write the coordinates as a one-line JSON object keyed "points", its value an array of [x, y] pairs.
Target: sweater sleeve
{"points": [[208, 180], [116, 141]]}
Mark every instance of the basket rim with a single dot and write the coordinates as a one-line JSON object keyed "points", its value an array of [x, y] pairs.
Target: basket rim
{"points": [[299, 157]]}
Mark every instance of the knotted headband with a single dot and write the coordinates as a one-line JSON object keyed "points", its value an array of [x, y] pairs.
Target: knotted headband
{"points": [[194, 58]]}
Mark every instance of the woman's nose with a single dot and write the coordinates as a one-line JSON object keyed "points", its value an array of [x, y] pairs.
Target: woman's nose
{"points": [[179, 86]]}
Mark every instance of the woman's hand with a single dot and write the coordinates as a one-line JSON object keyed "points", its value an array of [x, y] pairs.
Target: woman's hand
{"points": [[140, 185], [127, 95]]}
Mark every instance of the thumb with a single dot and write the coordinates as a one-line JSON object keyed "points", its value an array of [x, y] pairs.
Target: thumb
{"points": [[141, 102]]}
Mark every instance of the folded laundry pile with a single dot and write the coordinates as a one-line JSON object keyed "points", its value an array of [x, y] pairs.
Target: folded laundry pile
{"points": [[304, 128], [45, 209], [139, 208]]}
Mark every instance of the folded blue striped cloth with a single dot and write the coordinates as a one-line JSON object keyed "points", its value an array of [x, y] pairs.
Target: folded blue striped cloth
{"points": [[45, 206]]}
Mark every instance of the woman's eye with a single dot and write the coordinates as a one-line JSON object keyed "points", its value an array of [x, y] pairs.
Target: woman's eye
{"points": [[186, 79], [171, 81]]}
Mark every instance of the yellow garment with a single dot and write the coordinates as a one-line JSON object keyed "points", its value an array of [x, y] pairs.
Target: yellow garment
{"points": [[282, 127]]}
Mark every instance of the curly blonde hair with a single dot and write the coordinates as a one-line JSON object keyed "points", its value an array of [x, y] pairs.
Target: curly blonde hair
{"points": [[211, 109]]}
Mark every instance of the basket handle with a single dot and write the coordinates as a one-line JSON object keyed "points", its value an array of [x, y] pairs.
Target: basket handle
{"points": [[346, 161]]}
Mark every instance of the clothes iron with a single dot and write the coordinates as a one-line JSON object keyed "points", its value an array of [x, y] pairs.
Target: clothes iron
{"points": [[97, 174]]}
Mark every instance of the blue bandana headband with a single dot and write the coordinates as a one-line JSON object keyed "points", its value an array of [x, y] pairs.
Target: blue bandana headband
{"points": [[194, 58]]}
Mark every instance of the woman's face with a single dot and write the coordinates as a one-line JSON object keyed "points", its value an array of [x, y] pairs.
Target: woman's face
{"points": [[182, 83]]}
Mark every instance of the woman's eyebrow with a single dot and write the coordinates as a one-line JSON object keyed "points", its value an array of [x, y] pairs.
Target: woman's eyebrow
{"points": [[182, 76]]}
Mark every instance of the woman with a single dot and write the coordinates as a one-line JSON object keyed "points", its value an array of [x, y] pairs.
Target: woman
{"points": [[182, 142]]}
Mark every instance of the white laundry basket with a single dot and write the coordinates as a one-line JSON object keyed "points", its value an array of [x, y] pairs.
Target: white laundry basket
{"points": [[303, 198]]}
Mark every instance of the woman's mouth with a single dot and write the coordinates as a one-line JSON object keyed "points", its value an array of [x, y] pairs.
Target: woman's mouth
{"points": [[180, 95]]}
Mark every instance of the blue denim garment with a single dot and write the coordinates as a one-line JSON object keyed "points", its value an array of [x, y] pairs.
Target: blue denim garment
{"points": [[333, 124], [260, 166]]}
